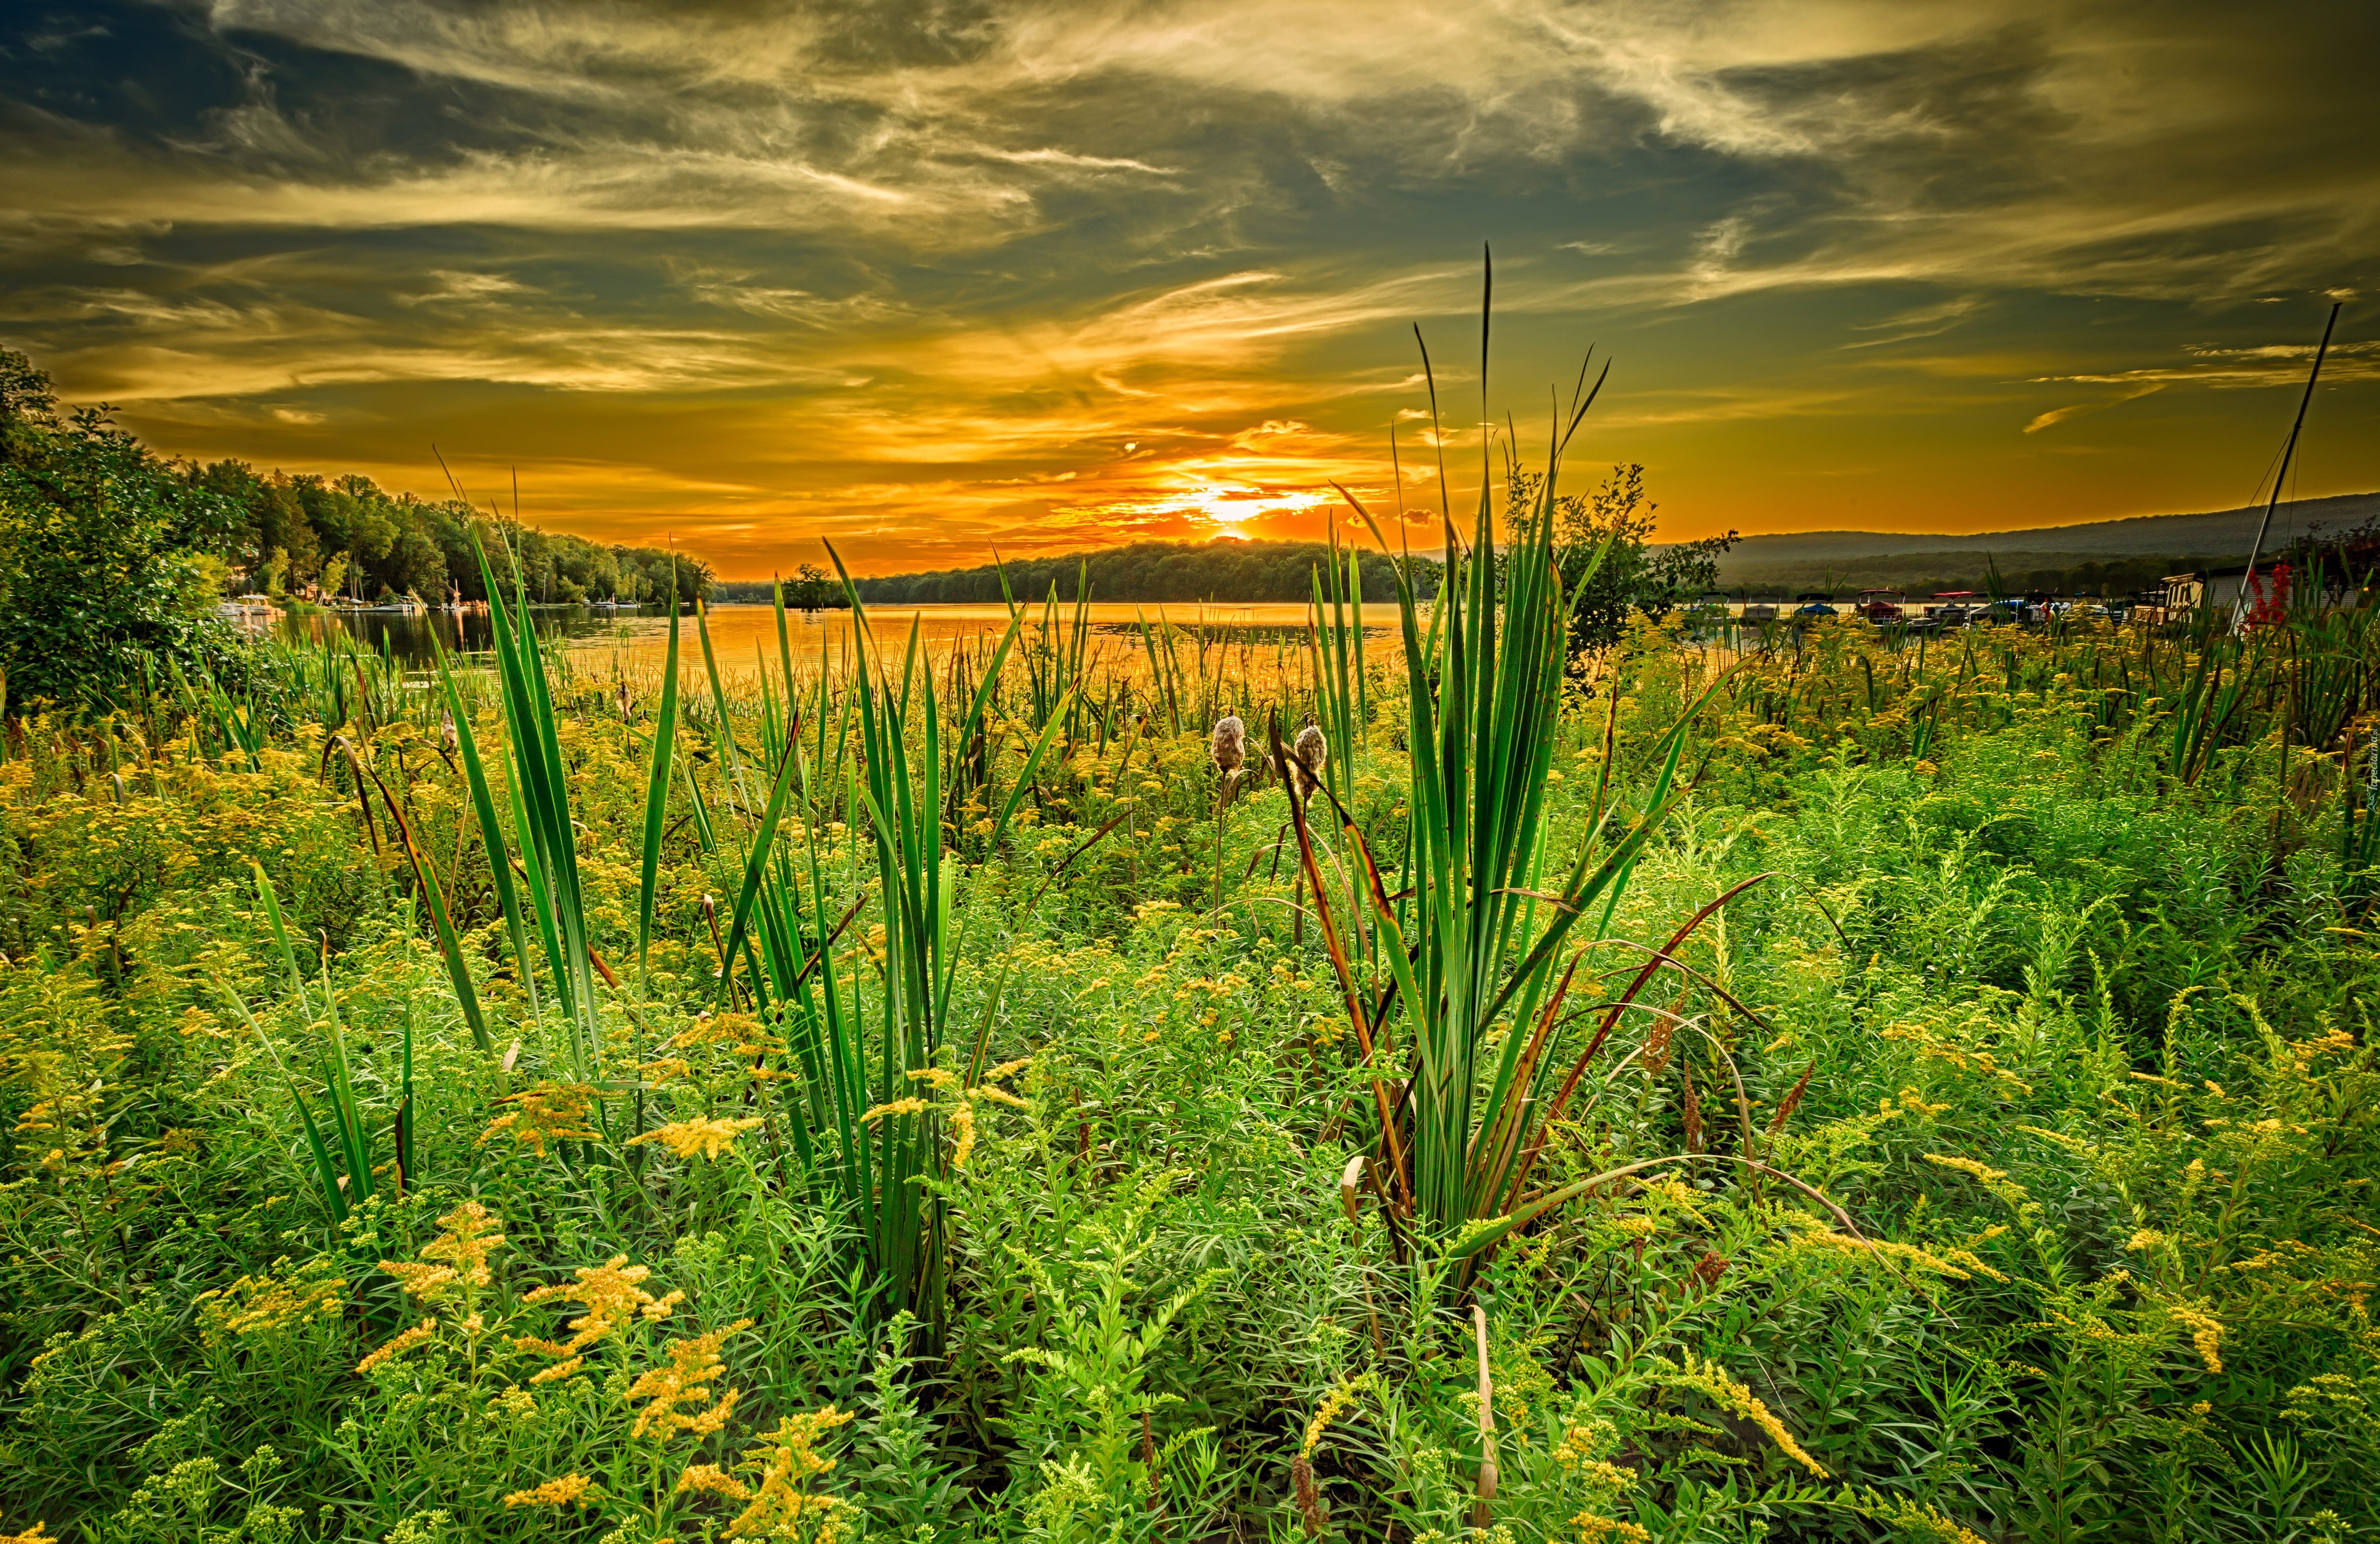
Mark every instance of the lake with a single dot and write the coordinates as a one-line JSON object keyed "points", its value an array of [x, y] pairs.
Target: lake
{"points": [[741, 634]]}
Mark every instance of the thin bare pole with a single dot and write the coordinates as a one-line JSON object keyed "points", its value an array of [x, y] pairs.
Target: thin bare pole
{"points": [[2281, 476]]}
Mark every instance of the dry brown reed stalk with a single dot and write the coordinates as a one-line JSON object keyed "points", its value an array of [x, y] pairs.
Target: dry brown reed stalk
{"points": [[1350, 1197], [1694, 1109], [1479, 1514]]}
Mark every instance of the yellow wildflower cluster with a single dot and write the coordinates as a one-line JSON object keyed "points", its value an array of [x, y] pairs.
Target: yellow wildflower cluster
{"points": [[608, 1298], [454, 1263], [280, 1299], [1912, 1518], [785, 1462], [569, 1490], [697, 1138], [710, 1480], [1582, 1440], [1712, 1381], [1337, 1403], [2205, 1333], [549, 1112], [1946, 1046], [1594, 1528], [747, 1040], [457, 1257], [2007, 1191], [693, 1364], [957, 1102], [404, 1341], [2332, 1042], [1884, 1248]]}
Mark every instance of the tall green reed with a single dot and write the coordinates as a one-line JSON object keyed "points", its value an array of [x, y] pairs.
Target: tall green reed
{"points": [[1470, 945], [537, 790]]}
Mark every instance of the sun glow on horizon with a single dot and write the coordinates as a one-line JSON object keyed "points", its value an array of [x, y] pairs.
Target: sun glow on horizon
{"points": [[1212, 506]]}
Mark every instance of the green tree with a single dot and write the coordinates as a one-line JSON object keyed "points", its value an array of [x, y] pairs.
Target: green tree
{"points": [[812, 591], [97, 569], [1634, 575]]}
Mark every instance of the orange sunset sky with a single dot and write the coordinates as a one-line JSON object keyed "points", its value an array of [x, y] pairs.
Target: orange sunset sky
{"points": [[933, 276]]}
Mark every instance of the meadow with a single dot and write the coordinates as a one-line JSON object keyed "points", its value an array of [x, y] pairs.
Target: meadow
{"points": [[1819, 1085]]}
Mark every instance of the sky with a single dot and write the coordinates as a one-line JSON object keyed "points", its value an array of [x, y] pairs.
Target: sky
{"points": [[933, 278]]}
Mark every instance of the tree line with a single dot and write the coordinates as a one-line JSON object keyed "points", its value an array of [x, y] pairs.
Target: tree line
{"points": [[325, 536], [1146, 571]]}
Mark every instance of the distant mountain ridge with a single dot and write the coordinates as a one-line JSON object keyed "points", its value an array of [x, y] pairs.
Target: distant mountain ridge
{"points": [[2223, 531], [2105, 557]]}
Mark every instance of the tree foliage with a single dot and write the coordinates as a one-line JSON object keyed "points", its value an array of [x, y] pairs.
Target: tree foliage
{"points": [[300, 532], [1222, 569], [99, 563], [1634, 575]]}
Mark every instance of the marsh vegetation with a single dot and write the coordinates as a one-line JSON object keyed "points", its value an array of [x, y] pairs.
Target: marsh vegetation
{"points": [[1852, 1088]]}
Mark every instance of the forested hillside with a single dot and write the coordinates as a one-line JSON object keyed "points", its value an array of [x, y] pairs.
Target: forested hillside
{"points": [[1223, 570]]}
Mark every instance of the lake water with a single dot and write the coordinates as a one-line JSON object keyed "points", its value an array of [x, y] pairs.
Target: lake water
{"points": [[741, 636]]}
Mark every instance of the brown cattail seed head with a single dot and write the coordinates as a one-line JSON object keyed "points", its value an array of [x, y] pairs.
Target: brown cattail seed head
{"points": [[1231, 746], [1311, 751]]}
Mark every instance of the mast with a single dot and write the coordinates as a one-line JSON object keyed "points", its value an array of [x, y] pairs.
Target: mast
{"points": [[2280, 477]]}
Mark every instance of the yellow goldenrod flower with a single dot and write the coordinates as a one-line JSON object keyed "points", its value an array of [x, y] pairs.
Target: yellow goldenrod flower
{"points": [[2205, 1333], [400, 1344], [1334, 1405], [1967, 1165], [607, 1294], [785, 1461], [569, 1490], [1707, 1379], [698, 1138], [548, 1113], [963, 1122], [693, 1364], [421, 1279], [260, 1305], [713, 1479]]}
